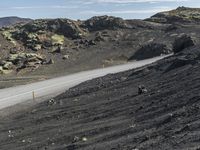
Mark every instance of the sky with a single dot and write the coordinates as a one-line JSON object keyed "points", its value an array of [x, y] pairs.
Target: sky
{"points": [[84, 9]]}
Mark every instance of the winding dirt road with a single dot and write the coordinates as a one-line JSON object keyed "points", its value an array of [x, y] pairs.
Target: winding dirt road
{"points": [[51, 88]]}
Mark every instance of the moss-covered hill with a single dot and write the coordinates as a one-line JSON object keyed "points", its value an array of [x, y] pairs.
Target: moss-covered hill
{"points": [[181, 14], [65, 46]]}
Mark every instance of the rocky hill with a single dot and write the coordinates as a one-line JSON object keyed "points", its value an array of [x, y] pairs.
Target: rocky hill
{"points": [[54, 47], [109, 113], [66, 43], [9, 21], [150, 108], [181, 14]]}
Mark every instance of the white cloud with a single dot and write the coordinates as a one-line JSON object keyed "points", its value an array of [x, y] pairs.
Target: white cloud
{"points": [[44, 7], [133, 1], [149, 11]]}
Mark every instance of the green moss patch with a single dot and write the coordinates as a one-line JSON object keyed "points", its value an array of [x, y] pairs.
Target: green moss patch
{"points": [[57, 39]]}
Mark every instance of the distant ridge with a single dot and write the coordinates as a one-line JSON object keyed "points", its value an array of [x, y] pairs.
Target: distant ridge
{"points": [[179, 15], [8, 21]]}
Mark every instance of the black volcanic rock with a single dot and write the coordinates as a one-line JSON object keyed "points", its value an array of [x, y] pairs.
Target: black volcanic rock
{"points": [[171, 28], [182, 42], [151, 50], [66, 27], [105, 22], [108, 112]]}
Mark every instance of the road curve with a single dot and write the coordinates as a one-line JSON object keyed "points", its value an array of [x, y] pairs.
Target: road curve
{"points": [[52, 87]]}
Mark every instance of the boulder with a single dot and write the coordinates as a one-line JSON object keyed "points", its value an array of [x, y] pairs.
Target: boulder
{"points": [[99, 36], [29, 55], [91, 42], [150, 50], [1, 70], [180, 62], [66, 57], [2, 62], [23, 60], [13, 51], [14, 58], [182, 42], [85, 42], [37, 47], [142, 89], [51, 61], [56, 49], [8, 66], [171, 28]]}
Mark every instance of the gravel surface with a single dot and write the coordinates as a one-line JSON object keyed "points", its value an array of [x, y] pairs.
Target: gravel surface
{"points": [[107, 112]]}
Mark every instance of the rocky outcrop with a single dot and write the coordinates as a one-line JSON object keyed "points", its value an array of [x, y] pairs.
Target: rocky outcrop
{"points": [[151, 50], [21, 61], [56, 49], [182, 42], [40, 34], [66, 27], [179, 15], [51, 61], [105, 22], [188, 56]]}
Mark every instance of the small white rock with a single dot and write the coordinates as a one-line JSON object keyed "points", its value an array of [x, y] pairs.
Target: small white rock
{"points": [[84, 139]]}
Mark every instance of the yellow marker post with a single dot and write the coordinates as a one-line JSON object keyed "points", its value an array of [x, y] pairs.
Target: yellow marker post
{"points": [[33, 93]]}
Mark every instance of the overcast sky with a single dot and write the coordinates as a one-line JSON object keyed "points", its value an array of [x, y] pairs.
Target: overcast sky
{"points": [[83, 9]]}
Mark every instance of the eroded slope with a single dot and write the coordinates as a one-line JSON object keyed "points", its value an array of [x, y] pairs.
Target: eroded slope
{"points": [[108, 113]]}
